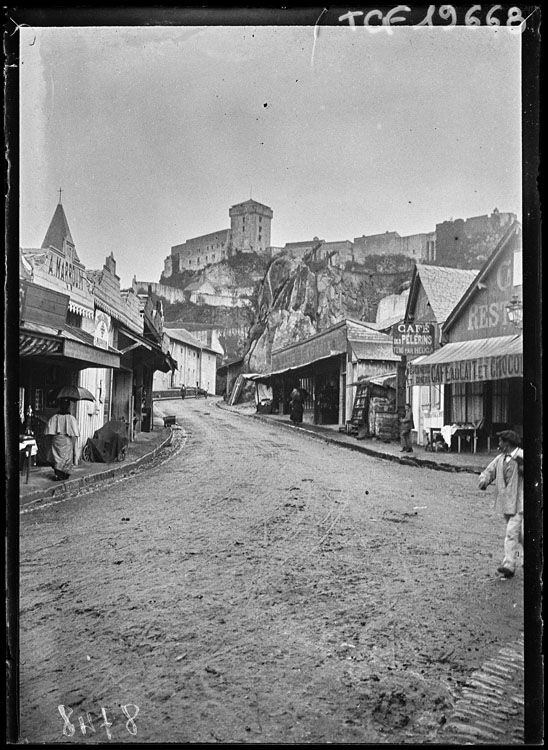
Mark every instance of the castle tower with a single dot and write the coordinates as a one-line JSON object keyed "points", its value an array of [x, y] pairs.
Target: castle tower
{"points": [[250, 226]]}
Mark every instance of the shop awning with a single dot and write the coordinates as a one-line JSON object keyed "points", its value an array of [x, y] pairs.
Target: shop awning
{"points": [[137, 339], [79, 345], [264, 377], [374, 350], [34, 344], [71, 345], [386, 381], [481, 360], [151, 352]]}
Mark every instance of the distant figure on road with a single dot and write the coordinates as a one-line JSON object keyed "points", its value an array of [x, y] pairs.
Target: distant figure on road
{"points": [[296, 407], [63, 428], [506, 471], [406, 425], [183, 391]]}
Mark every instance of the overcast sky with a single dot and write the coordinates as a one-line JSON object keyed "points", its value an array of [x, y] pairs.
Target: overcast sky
{"points": [[154, 132]]}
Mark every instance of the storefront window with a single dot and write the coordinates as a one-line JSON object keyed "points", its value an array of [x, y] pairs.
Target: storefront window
{"points": [[458, 402], [500, 402], [474, 402], [466, 402]]}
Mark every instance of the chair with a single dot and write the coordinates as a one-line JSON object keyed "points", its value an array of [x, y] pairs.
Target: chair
{"points": [[478, 425], [492, 433]]}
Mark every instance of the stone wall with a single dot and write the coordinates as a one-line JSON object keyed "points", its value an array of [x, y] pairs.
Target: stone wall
{"points": [[467, 243]]}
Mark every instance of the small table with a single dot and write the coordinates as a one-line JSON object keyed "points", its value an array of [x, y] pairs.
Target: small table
{"points": [[463, 431], [459, 431], [27, 449]]}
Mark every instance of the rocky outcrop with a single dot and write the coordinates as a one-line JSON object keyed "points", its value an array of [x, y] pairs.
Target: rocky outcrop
{"points": [[291, 299], [297, 299], [236, 276]]}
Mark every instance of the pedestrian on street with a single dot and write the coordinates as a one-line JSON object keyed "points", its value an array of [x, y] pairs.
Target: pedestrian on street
{"points": [[296, 408], [63, 428], [506, 471], [406, 425], [183, 391]]}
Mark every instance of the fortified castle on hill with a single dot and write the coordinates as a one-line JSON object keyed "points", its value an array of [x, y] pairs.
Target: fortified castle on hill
{"points": [[249, 233], [462, 243]]}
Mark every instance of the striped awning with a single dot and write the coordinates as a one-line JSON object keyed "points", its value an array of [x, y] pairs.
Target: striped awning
{"points": [[481, 360], [31, 345]]}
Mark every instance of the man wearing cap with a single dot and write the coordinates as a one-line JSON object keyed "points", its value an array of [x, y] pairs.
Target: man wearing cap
{"points": [[506, 471]]}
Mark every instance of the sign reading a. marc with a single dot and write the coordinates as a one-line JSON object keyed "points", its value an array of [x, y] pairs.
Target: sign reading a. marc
{"points": [[412, 339], [66, 270]]}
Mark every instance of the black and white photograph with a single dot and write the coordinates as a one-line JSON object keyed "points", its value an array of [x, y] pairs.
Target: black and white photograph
{"points": [[276, 379]]}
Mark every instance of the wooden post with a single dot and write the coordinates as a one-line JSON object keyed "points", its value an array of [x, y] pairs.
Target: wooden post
{"points": [[401, 383]]}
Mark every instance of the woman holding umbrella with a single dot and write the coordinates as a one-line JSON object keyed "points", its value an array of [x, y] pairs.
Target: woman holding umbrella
{"points": [[63, 428]]}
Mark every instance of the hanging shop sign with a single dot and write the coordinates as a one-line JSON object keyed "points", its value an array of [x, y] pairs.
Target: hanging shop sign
{"points": [[413, 339], [102, 328]]}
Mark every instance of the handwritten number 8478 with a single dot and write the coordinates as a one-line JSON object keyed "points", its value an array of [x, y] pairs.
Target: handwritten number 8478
{"points": [[69, 728]]}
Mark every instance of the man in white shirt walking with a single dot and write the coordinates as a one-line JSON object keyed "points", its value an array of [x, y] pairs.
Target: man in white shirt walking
{"points": [[506, 471]]}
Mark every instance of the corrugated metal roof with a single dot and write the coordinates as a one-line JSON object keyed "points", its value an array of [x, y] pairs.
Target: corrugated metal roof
{"points": [[459, 351], [444, 287]]}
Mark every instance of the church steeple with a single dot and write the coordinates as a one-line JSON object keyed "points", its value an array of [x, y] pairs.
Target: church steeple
{"points": [[58, 234]]}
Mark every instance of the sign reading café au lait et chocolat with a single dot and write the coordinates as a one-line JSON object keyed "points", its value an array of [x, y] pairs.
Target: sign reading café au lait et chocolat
{"points": [[412, 339]]}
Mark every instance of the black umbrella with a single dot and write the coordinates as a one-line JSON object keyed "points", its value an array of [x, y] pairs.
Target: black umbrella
{"points": [[74, 393]]}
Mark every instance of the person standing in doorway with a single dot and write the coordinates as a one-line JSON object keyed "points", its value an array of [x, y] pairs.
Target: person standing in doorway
{"points": [[406, 425], [63, 428], [296, 408], [506, 471]]}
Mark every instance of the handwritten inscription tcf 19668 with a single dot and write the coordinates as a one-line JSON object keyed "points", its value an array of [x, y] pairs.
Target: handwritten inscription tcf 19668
{"points": [[442, 15]]}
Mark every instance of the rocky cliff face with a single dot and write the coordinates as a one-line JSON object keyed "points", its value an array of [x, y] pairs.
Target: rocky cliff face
{"points": [[297, 299], [289, 300], [239, 275]]}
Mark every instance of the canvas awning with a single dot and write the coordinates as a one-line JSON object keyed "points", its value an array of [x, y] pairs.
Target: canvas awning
{"points": [[264, 377], [385, 381], [481, 360]]}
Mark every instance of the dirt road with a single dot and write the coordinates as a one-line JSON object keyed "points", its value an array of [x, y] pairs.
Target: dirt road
{"points": [[260, 587]]}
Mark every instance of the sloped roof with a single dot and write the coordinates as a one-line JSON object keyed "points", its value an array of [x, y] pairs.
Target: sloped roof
{"points": [[361, 330], [58, 231], [444, 287], [182, 335]]}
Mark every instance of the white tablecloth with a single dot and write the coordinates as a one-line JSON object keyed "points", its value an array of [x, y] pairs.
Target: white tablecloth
{"points": [[33, 447]]}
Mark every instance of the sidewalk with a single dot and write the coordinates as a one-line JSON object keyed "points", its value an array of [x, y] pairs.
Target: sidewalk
{"points": [[473, 463], [145, 447]]}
